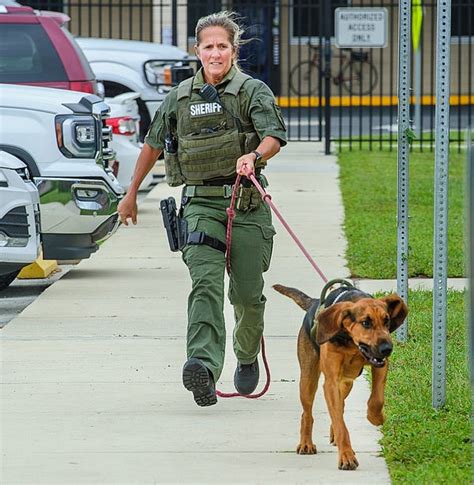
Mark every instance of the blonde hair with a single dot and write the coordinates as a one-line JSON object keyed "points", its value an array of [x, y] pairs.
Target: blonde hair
{"points": [[228, 21]]}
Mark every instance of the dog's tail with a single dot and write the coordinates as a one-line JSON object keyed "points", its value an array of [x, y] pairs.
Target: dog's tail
{"points": [[303, 300]]}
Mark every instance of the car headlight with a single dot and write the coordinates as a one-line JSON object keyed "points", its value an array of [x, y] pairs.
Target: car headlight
{"points": [[24, 173], [3, 179], [77, 136], [12, 241], [155, 72]]}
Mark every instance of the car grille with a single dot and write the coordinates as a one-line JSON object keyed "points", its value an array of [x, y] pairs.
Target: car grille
{"points": [[108, 154], [37, 218], [15, 223]]}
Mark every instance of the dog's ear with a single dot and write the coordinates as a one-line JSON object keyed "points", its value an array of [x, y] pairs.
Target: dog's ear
{"points": [[329, 321], [397, 310]]}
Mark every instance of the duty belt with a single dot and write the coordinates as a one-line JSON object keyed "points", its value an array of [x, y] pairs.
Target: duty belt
{"points": [[224, 191]]}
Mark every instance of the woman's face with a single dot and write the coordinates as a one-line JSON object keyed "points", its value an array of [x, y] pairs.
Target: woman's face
{"points": [[215, 53]]}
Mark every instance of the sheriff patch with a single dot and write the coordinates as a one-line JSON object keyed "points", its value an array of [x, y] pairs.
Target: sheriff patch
{"points": [[203, 109]]}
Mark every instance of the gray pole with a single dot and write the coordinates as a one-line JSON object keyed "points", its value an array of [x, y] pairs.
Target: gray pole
{"points": [[470, 235], [404, 39], [440, 266]]}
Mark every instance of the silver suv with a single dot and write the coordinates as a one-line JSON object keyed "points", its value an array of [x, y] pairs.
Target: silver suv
{"points": [[19, 218]]}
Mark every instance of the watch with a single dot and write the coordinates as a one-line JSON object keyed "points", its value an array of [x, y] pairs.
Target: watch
{"points": [[258, 156]]}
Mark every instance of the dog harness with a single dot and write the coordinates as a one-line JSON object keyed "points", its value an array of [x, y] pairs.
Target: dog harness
{"points": [[311, 319]]}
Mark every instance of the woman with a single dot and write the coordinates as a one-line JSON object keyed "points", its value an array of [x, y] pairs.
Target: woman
{"points": [[207, 143]]}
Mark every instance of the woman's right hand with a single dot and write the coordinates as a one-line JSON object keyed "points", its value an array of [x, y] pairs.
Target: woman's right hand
{"points": [[127, 209]]}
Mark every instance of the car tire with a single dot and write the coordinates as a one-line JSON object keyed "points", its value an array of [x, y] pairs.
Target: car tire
{"points": [[7, 279]]}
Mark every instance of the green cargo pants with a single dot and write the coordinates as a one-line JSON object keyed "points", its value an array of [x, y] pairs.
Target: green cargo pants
{"points": [[252, 244]]}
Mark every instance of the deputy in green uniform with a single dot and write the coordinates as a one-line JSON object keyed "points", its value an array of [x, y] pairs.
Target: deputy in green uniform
{"points": [[206, 144]]}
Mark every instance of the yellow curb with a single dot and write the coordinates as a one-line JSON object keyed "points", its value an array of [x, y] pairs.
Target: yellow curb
{"points": [[41, 268], [349, 101]]}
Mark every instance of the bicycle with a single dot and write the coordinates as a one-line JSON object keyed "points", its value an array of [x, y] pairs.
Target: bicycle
{"points": [[357, 74]]}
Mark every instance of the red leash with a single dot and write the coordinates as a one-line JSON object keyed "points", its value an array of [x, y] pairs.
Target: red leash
{"points": [[230, 217], [267, 198]]}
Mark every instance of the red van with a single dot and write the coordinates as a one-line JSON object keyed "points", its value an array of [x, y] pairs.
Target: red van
{"points": [[36, 49]]}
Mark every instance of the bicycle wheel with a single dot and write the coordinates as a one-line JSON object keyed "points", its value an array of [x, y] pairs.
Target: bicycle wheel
{"points": [[359, 77], [304, 79]]}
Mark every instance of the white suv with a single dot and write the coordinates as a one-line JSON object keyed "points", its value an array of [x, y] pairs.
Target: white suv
{"points": [[19, 218], [144, 67], [62, 138]]}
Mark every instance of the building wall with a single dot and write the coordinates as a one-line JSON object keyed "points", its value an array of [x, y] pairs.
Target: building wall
{"points": [[386, 59], [152, 20]]}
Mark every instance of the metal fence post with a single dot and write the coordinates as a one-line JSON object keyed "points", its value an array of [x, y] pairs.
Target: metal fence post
{"points": [[327, 77], [404, 24], [174, 22], [470, 235], [440, 265]]}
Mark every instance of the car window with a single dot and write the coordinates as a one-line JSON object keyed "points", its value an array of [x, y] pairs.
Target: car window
{"points": [[27, 55], [82, 58]]}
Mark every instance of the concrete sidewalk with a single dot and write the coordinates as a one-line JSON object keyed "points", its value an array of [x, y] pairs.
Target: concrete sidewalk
{"points": [[91, 370]]}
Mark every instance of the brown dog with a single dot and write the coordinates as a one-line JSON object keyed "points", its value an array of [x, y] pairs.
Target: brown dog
{"points": [[352, 330]]}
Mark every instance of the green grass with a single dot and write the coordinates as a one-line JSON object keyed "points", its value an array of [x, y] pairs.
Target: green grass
{"points": [[369, 191], [421, 445]]}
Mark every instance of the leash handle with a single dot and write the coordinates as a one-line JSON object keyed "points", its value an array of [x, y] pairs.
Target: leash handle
{"points": [[267, 198]]}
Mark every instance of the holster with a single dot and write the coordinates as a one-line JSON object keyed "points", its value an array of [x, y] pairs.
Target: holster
{"points": [[177, 229], [175, 225]]}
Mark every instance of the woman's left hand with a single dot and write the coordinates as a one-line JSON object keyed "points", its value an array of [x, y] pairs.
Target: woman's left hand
{"points": [[245, 164]]}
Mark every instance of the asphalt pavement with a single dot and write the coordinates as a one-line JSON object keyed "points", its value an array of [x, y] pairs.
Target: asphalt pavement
{"points": [[91, 370]]}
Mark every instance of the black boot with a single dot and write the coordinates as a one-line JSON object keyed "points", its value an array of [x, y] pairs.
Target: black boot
{"points": [[246, 378], [199, 380]]}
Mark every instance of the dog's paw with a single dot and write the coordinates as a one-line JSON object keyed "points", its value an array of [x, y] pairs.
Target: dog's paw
{"points": [[306, 449], [377, 419], [348, 460]]}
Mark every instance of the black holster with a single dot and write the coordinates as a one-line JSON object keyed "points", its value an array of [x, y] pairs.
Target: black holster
{"points": [[175, 225], [177, 229]]}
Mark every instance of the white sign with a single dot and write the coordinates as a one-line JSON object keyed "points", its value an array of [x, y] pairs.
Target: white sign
{"points": [[361, 27]]}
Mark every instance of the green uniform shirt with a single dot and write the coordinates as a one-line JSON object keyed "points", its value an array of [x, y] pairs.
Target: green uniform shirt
{"points": [[255, 98]]}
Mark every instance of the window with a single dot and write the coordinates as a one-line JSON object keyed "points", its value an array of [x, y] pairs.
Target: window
{"points": [[462, 18], [27, 55], [55, 5], [307, 18]]}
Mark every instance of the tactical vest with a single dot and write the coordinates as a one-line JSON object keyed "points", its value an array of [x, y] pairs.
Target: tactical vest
{"points": [[209, 139]]}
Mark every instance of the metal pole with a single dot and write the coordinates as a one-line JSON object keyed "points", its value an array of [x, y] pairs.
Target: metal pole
{"points": [[327, 78], [404, 24], [470, 234], [174, 22], [440, 266]]}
